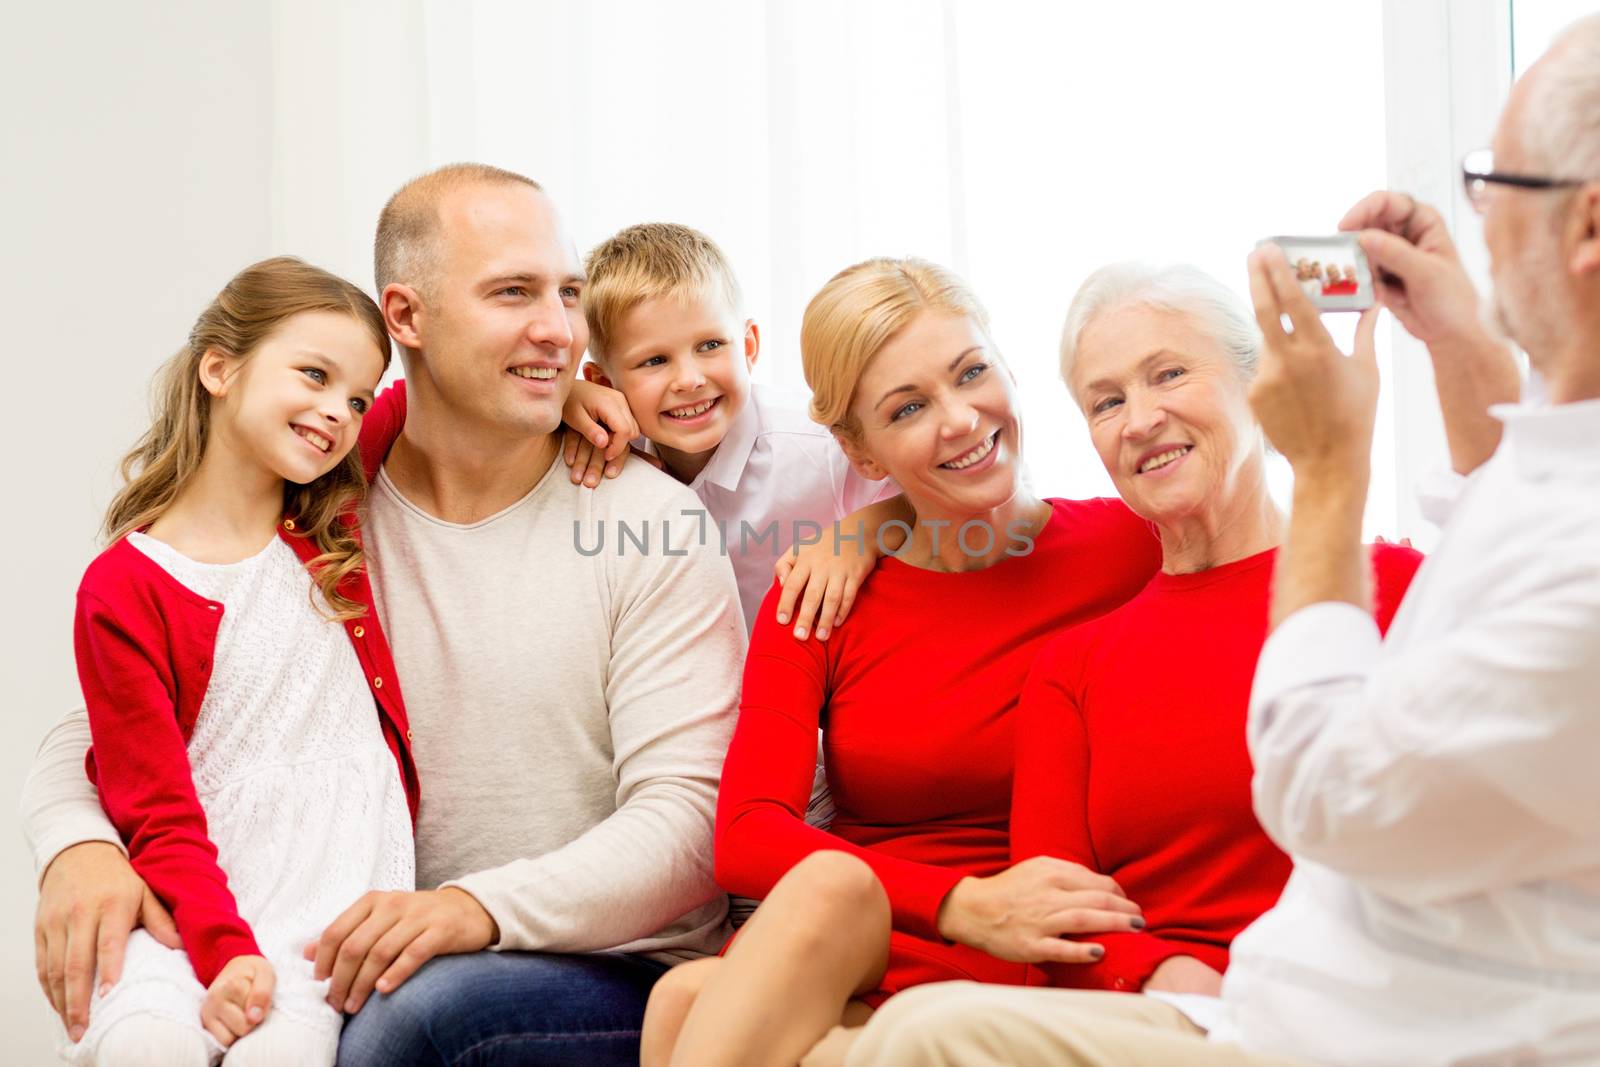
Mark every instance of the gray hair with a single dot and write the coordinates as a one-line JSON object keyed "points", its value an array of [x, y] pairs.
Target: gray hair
{"points": [[1217, 309], [1561, 124]]}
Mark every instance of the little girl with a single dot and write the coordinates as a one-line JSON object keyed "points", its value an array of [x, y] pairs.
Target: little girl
{"points": [[250, 743]]}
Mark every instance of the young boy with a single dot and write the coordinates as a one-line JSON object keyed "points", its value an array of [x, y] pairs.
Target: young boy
{"points": [[667, 329]]}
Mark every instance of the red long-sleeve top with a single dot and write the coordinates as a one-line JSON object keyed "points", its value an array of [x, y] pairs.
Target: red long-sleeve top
{"points": [[915, 696], [1131, 759], [144, 644]]}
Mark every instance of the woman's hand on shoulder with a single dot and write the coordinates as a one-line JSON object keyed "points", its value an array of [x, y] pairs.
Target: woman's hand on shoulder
{"points": [[1031, 912]]}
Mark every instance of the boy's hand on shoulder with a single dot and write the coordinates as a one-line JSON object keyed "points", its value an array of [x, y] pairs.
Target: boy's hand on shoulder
{"points": [[238, 999], [600, 427], [824, 578]]}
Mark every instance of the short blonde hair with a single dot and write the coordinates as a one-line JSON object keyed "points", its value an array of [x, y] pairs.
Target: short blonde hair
{"points": [[406, 248], [858, 312], [645, 262]]}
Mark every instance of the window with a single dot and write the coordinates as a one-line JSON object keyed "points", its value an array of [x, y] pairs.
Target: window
{"points": [[1023, 144]]}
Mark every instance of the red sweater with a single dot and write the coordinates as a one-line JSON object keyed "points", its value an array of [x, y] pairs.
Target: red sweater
{"points": [[915, 695], [1132, 760], [144, 643]]}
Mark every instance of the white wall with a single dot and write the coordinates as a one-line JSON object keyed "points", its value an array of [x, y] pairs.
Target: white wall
{"points": [[142, 179], [152, 150]]}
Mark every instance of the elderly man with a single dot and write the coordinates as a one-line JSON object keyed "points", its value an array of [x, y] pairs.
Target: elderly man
{"points": [[1437, 791], [571, 711]]}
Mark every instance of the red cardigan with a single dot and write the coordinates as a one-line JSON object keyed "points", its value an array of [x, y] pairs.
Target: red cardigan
{"points": [[915, 697], [1132, 760], [144, 643]]}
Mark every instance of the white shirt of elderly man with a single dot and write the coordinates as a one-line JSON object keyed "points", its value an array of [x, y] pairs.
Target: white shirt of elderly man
{"points": [[1438, 791]]}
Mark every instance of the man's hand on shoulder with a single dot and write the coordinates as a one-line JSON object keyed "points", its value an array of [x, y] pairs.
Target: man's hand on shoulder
{"points": [[90, 900], [381, 940]]}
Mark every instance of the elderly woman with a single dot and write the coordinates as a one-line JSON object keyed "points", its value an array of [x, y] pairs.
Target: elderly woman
{"points": [[1131, 749], [915, 699], [1158, 361]]}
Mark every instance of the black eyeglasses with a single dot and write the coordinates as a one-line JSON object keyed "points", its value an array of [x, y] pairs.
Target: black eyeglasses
{"points": [[1478, 173]]}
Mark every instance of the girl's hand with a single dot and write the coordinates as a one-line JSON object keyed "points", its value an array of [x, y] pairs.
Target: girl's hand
{"points": [[829, 576], [1027, 913], [238, 999], [599, 429]]}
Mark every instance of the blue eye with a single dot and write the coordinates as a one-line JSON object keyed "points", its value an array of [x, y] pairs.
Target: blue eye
{"points": [[316, 374], [654, 361], [909, 409], [570, 292], [1106, 405], [710, 346], [511, 290], [973, 371], [1169, 374], [359, 405]]}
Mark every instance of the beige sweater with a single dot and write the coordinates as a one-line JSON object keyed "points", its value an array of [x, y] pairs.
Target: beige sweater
{"points": [[570, 710]]}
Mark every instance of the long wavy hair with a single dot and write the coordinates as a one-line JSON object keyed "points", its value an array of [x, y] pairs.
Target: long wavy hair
{"points": [[163, 463]]}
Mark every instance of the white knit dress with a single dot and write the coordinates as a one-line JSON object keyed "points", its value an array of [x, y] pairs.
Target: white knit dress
{"points": [[302, 796]]}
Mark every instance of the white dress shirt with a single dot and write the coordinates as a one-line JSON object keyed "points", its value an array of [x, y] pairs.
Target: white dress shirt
{"points": [[776, 470], [1440, 791]]}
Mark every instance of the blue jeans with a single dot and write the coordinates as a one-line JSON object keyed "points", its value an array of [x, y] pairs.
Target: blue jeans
{"points": [[534, 1008]]}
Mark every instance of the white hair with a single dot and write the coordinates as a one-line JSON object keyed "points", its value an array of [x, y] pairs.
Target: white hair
{"points": [[1217, 310], [1561, 124]]}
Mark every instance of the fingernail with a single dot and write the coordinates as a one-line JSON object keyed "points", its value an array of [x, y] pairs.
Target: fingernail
{"points": [[800, 633], [350, 1006], [1137, 922], [783, 620], [1096, 952], [612, 472], [255, 1015], [105, 987], [822, 635], [76, 1032]]}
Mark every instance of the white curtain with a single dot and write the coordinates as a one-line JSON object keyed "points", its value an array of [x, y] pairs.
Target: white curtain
{"points": [[1021, 143]]}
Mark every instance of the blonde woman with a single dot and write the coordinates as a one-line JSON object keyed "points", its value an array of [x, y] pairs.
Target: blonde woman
{"points": [[915, 699]]}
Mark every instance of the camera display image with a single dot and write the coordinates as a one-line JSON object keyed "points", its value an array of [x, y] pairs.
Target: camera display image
{"points": [[1331, 271]]}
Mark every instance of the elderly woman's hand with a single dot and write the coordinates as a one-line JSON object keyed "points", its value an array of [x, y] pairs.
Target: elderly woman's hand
{"points": [[1027, 913], [1316, 406]]}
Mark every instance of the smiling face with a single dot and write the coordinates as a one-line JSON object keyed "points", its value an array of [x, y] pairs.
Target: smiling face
{"points": [[937, 413], [500, 327], [295, 403], [683, 362], [1167, 412]]}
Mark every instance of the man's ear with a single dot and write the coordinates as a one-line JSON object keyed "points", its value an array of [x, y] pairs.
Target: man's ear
{"points": [[752, 344], [1586, 254], [593, 373], [216, 371], [402, 307], [860, 462]]}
